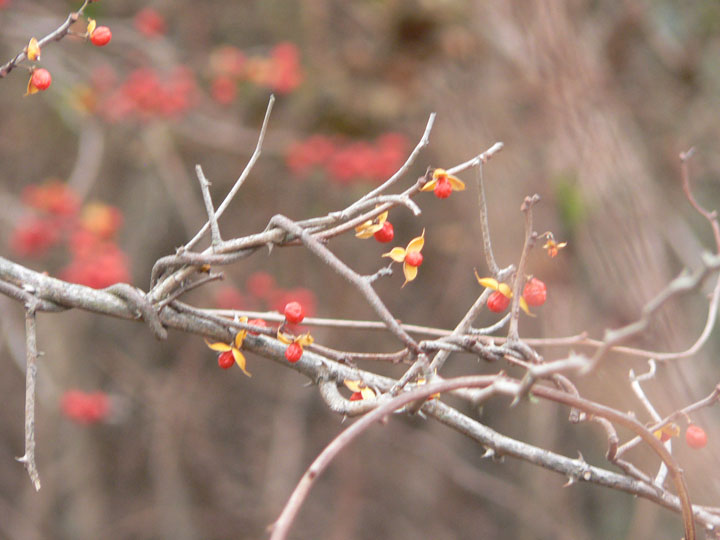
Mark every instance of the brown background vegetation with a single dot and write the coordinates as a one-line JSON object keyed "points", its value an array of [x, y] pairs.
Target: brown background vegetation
{"points": [[593, 100]]}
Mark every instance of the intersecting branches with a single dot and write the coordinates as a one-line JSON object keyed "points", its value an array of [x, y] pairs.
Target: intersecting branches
{"points": [[408, 391]]}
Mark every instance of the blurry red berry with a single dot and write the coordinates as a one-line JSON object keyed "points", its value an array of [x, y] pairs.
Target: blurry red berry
{"points": [[149, 22], [442, 189], [293, 352], [229, 297], [33, 236], [260, 284], [414, 258], [223, 89], [101, 36], [535, 292], [294, 312], [226, 360], [52, 196], [41, 79], [256, 322], [695, 436], [386, 234], [85, 408], [497, 302]]}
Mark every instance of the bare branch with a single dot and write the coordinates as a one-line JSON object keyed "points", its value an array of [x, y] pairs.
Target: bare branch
{"points": [[56, 35], [526, 208], [31, 355], [207, 199], [484, 225], [241, 180]]}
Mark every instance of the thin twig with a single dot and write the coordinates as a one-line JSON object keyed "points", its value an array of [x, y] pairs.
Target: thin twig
{"points": [[526, 208], [424, 140], [680, 285], [345, 271], [31, 355], [241, 180], [499, 384], [477, 160], [484, 224], [207, 199], [56, 35], [640, 394], [710, 216]]}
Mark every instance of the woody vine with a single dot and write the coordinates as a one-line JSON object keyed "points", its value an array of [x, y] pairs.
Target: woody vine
{"points": [[418, 387]]}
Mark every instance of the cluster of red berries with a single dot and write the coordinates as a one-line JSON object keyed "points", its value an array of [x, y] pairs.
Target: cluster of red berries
{"points": [[40, 78], [279, 70], [144, 95], [294, 314], [56, 218], [262, 292], [85, 408], [534, 293], [347, 162]]}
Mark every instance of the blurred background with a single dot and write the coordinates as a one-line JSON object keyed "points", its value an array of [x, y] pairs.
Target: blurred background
{"points": [[142, 439]]}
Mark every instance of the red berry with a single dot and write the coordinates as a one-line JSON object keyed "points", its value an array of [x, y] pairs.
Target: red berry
{"points": [[226, 360], [149, 22], [535, 292], [695, 436], [41, 79], [294, 313], [293, 352], [223, 89], [442, 189], [101, 36], [386, 234], [414, 258], [260, 284], [497, 302], [356, 396], [85, 408], [256, 322]]}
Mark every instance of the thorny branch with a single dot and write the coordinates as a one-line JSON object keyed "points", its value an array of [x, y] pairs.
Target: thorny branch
{"points": [[496, 385], [173, 275]]}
